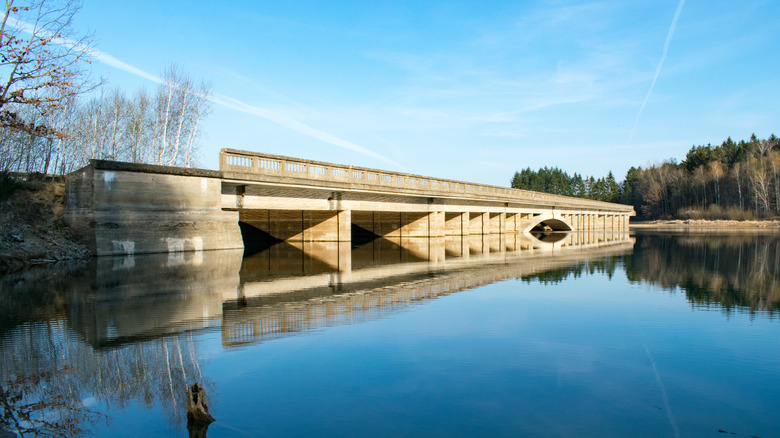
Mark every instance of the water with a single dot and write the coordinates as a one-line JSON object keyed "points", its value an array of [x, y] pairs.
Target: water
{"points": [[575, 335]]}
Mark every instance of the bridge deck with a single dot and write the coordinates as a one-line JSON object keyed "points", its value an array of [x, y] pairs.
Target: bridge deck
{"points": [[244, 166]]}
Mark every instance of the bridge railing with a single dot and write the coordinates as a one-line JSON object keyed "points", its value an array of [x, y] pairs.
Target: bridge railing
{"points": [[232, 160]]}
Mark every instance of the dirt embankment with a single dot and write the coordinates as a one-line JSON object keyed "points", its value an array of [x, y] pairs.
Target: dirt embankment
{"points": [[32, 229]]}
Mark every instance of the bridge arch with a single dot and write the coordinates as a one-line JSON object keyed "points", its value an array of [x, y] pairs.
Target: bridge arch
{"points": [[551, 220]]}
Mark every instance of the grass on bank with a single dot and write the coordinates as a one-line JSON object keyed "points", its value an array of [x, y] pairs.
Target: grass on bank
{"points": [[716, 212]]}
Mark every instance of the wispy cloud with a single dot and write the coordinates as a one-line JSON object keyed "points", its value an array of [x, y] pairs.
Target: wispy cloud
{"points": [[105, 58], [110, 61], [295, 125], [658, 69], [225, 101]]}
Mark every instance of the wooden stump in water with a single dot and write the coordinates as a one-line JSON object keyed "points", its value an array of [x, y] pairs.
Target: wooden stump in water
{"points": [[197, 408]]}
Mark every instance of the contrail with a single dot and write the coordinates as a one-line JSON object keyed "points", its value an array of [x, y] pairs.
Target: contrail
{"points": [[658, 69], [295, 125], [667, 406], [225, 101]]}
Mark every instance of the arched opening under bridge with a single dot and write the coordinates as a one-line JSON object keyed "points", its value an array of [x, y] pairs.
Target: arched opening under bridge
{"points": [[547, 222]]}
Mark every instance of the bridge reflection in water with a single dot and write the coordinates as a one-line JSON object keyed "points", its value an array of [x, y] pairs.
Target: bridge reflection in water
{"points": [[290, 288]]}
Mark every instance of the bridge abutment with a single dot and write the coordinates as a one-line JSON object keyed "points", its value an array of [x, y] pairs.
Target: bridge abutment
{"points": [[121, 208]]}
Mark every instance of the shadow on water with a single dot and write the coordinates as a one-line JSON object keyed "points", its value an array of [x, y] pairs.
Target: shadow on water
{"points": [[550, 236], [255, 240]]}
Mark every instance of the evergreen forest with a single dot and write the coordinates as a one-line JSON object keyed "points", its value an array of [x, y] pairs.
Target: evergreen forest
{"points": [[732, 180]]}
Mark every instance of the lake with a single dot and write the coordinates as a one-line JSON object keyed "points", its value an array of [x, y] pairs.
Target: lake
{"points": [[582, 334]]}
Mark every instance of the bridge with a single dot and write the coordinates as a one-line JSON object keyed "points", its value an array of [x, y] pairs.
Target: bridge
{"points": [[124, 208]]}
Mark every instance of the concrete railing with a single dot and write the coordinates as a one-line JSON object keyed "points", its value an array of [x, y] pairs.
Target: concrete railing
{"points": [[232, 160]]}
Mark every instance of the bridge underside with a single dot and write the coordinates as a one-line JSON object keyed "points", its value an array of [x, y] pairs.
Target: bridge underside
{"points": [[308, 214]]}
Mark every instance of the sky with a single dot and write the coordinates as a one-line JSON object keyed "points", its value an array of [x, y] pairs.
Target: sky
{"points": [[465, 90]]}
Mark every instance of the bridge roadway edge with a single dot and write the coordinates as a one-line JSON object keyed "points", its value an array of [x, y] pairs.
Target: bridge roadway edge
{"points": [[124, 208]]}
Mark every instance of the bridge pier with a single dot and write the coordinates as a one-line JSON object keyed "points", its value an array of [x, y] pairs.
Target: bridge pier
{"points": [[511, 223], [497, 223], [457, 224]]}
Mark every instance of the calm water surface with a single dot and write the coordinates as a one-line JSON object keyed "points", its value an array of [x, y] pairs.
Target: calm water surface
{"points": [[574, 335]]}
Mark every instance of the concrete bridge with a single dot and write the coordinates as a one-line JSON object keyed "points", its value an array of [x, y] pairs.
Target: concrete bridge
{"points": [[124, 208]]}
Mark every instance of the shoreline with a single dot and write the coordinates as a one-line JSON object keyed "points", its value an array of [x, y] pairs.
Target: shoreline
{"points": [[707, 225]]}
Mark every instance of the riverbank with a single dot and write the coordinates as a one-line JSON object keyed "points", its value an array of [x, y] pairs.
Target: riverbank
{"points": [[32, 228], [702, 225]]}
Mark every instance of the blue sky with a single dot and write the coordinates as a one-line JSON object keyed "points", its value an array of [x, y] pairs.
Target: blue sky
{"points": [[458, 89]]}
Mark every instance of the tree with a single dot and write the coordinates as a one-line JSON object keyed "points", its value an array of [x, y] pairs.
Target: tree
{"points": [[629, 185], [696, 157], [39, 61], [761, 181], [716, 172], [738, 174], [179, 106], [578, 186], [612, 187]]}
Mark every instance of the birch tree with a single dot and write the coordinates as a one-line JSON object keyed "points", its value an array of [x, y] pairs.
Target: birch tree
{"points": [[179, 107]]}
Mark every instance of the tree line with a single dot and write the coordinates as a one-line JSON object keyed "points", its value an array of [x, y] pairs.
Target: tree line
{"points": [[733, 180], [556, 181], [156, 128], [54, 118]]}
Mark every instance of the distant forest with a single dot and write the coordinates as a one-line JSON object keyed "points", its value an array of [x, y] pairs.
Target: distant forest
{"points": [[733, 180]]}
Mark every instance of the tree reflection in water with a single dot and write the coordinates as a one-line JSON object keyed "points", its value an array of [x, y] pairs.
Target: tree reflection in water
{"points": [[54, 384], [727, 271], [78, 341], [733, 272]]}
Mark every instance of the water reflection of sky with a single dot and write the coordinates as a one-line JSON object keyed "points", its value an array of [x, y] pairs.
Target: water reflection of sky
{"points": [[539, 346], [517, 359]]}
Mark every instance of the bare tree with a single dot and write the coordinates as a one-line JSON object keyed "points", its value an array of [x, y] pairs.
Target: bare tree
{"points": [[179, 105], [760, 178], [716, 171], [160, 129], [200, 108], [738, 171], [39, 60], [137, 131], [773, 159], [115, 118]]}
